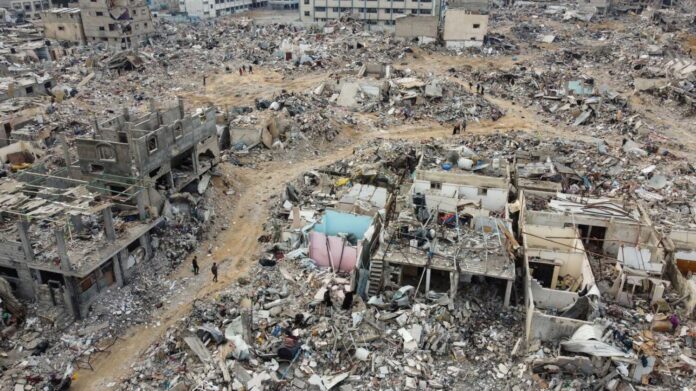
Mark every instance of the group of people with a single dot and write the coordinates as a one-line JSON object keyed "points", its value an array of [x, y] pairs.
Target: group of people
{"points": [[479, 88], [461, 125], [246, 68], [213, 269]]}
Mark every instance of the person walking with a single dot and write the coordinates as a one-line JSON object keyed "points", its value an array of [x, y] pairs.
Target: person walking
{"points": [[214, 269], [241, 71], [251, 70], [194, 264]]}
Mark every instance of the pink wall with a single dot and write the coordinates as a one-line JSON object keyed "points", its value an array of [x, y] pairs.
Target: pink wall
{"points": [[323, 253]]}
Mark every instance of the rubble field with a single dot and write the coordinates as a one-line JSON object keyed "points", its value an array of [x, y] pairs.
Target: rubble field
{"points": [[376, 211]]}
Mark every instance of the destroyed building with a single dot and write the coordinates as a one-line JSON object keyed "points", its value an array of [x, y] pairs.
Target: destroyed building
{"points": [[64, 24], [163, 150], [380, 15], [26, 9], [63, 245], [72, 234], [120, 25], [559, 233], [425, 28], [27, 85], [452, 229], [522, 252]]}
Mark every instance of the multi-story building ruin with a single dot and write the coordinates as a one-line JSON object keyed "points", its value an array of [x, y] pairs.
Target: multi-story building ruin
{"points": [[69, 235], [27, 9], [120, 24]]}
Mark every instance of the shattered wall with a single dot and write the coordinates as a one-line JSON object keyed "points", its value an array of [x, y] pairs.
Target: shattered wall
{"points": [[98, 157], [490, 191], [64, 24], [120, 24]]}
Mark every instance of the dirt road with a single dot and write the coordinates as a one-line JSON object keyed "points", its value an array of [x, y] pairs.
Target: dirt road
{"points": [[235, 251]]}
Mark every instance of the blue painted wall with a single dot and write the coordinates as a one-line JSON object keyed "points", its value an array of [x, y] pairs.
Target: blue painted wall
{"points": [[334, 222]]}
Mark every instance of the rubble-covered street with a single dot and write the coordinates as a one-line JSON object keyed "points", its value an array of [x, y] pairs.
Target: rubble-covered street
{"points": [[492, 196]]}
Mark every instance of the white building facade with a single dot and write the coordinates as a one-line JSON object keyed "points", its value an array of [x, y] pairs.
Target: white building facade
{"points": [[381, 13], [206, 9], [30, 9]]}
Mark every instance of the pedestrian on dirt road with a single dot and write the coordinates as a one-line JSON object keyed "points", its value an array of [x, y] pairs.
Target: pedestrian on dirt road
{"points": [[251, 70], [471, 85], [481, 90], [463, 127], [241, 71], [457, 128], [478, 88], [214, 269], [194, 264]]}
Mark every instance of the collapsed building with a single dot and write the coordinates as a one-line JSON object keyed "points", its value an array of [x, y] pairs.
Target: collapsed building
{"points": [[118, 24], [27, 85], [73, 233], [453, 228], [560, 233]]}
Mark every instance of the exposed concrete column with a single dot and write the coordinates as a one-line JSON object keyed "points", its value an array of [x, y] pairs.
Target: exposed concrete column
{"points": [[109, 224], [140, 198], [554, 276], [170, 178], [118, 271], [111, 236], [76, 221], [72, 294], [62, 249], [454, 284], [23, 230], [508, 291], [27, 287], [180, 103], [124, 255], [146, 245], [427, 280]]}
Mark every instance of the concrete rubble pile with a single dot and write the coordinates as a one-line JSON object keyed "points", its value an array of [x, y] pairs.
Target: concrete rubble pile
{"points": [[405, 96], [46, 348], [295, 323], [274, 331]]}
